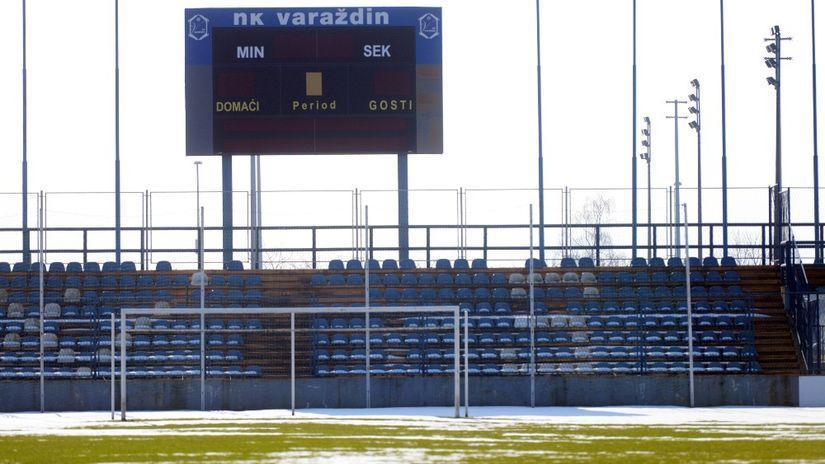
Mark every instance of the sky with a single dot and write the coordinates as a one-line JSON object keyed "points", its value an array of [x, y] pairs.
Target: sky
{"points": [[490, 107]]}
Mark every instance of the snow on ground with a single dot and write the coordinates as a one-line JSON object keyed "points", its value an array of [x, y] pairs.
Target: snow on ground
{"points": [[83, 423]]}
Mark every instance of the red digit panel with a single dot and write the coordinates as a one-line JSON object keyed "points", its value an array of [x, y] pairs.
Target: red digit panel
{"points": [[392, 84], [235, 85], [335, 45]]}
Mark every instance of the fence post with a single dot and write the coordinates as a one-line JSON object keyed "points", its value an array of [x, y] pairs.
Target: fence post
{"points": [[314, 248], [598, 245]]}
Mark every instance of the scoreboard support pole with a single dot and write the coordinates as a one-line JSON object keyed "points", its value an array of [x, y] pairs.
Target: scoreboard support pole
{"points": [[403, 209], [226, 169]]}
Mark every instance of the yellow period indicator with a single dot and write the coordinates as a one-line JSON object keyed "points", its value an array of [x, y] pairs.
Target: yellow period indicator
{"points": [[315, 84]]}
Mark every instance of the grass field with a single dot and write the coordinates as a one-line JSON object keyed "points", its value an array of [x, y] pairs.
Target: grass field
{"points": [[417, 438]]}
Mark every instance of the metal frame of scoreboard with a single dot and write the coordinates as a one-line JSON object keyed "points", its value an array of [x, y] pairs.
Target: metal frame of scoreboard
{"points": [[312, 81]]}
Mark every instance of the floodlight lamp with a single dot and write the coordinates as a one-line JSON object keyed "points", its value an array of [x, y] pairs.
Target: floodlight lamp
{"points": [[645, 143], [770, 62], [646, 132], [695, 82], [772, 81], [644, 156], [693, 125], [692, 97], [693, 110], [775, 30], [646, 120], [771, 48]]}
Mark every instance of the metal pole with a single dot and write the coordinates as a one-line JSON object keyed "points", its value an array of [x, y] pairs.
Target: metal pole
{"points": [[532, 321], [689, 311], [676, 183], [541, 144], [777, 194], [226, 188], [253, 215], [112, 362], [40, 290], [292, 360], [117, 135], [724, 136], [259, 219], [203, 319], [197, 211], [649, 214], [122, 365], [403, 208], [817, 231], [367, 299], [26, 239], [633, 148], [466, 363], [456, 364], [699, 168]]}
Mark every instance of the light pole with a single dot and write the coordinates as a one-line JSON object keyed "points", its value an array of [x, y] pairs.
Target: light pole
{"points": [[646, 157], [817, 231], [198, 199], [676, 183], [697, 126], [775, 62]]}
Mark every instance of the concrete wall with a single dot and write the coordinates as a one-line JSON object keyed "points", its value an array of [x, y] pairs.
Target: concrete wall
{"points": [[84, 395], [812, 391]]}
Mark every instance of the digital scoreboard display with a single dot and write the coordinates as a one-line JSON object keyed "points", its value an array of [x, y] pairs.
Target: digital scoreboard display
{"points": [[313, 81]]}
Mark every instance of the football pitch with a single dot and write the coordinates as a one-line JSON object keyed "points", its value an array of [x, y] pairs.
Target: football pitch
{"points": [[422, 435]]}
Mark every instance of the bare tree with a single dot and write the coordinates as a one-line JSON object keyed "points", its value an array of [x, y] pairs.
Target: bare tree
{"points": [[585, 241], [751, 244]]}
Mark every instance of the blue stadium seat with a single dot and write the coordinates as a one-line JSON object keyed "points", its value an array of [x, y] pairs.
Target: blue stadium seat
{"points": [[355, 279], [606, 277], [446, 295], [91, 266], [406, 264], [463, 279], [128, 266], [657, 262], [638, 262], [56, 266], [389, 264], [443, 263], [728, 261], [731, 276], [36, 267], [5, 267], [479, 263], [710, 261], [694, 262], [586, 262], [354, 265], [537, 264], [373, 264], [336, 265], [426, 279], [461, 263], [409, 280], [568, 262]]}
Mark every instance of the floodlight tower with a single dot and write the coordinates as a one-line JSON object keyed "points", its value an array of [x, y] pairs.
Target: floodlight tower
{"points": [[697, 126], [646, 157], [774, 61]]}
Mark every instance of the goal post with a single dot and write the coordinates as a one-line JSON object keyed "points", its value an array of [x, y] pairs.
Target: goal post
{"points": [[382, 323]]}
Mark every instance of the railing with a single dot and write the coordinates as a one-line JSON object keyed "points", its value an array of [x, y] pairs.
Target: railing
{"points": [[802, 305], [311, 246]]}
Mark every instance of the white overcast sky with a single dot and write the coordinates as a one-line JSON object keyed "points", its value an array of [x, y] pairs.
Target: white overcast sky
{"points": [[489, 105]]}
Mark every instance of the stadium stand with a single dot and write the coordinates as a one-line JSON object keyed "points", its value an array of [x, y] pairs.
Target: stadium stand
{"points": [[589, 320]]}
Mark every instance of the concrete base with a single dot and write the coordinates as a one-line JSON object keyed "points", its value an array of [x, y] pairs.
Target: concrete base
{"points": [[592, 390]]}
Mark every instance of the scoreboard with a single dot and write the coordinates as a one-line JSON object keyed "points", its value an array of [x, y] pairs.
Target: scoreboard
{"points": [[313, 81]]}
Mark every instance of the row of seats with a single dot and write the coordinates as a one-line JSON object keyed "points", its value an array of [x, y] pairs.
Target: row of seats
{"points": [[325, 370], [541, 353], [517, 278], [125, 281], [567, 262], [159, 371], [655, 335], [75, 267]]}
